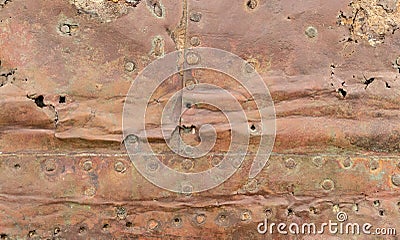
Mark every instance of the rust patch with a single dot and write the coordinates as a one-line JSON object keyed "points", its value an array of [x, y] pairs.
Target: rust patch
{"points": [[371, 20]]}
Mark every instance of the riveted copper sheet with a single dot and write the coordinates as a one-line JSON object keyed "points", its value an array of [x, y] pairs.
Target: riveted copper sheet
{"points": [[66, 67]]}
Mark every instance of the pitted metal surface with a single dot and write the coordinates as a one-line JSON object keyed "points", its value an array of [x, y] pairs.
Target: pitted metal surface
{"points": [[331, 67]]}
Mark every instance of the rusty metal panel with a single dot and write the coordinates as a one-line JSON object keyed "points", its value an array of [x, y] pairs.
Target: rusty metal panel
{"points": [[67, 73]]}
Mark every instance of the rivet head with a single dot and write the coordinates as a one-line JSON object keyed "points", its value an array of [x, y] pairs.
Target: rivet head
{"points": [[245, 216], [195, 16], [131, 139], [130, 66], [251, 4], [152, 166], [192, 58], [318, 161], [223, 219], [121, 212], [153, 224], [215, 161], [396, 180], [268, 212], [82, 230], [311, 32], [65, 29], [187, 164], [195, 41], [190, 84], [290, 163], [249, 67], [347, 163], [50, 165], [327, 184], [373, 165], [57, 230], [177, 221], [187, 189], [90, 191], [251, 185], [119, 167], [87, 165], [200, 218]]}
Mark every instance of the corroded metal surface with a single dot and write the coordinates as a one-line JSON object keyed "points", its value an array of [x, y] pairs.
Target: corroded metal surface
{"points": [[332, 69]]}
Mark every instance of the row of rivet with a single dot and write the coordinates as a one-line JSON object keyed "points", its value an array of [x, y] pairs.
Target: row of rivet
{"points": [[50, 166], [328, 184], [224, 219]]}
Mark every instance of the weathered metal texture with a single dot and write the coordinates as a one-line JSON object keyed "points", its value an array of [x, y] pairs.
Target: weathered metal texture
{"points": [[66, 68]]}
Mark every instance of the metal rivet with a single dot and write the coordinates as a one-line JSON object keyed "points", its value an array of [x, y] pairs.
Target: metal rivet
{"points": [[192, 58], [187, 164], [177, 221], [187, 189], [50, 165], [65, 29], [223, 219], [290, 212], [252, 185], [236, 163], [190, 84], [253, 128], [194, 41], [245, 216], [17, 166], [290, 163], [152, 166], [131, 139], [381, 212], [216, 160], [87, 165], [153, 224], [318, 161], [251, 4], [129, 224], [130, 66], [119, 167], [249, 67], [57, 230], [90, 191], [311, 32], [32, 233], [373, 165], [396, 180], [189, 149], [336, 208], [121, 213], [200, 218], [313, 210], [327, 184], [195, 16], [268, 212], [347, 163], [106, 226], [82, 230]]}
